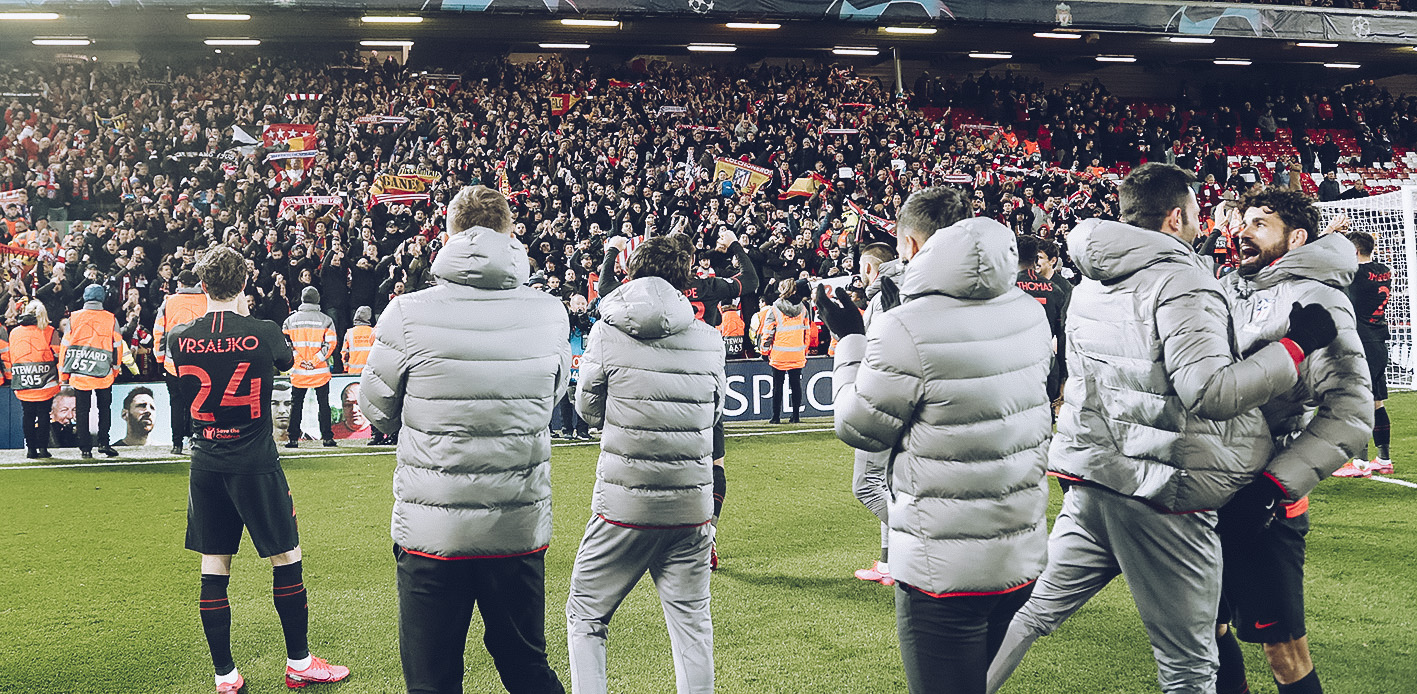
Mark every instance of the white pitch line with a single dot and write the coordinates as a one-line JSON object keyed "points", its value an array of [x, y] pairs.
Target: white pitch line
{"points": [[170, 461], [1390, 480]]}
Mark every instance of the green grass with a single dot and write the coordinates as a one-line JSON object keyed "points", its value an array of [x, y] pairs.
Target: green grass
{"points": [[97, 594]]}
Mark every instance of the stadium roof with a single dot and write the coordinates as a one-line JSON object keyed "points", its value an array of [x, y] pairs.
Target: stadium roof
{"points": [[176, 29]]}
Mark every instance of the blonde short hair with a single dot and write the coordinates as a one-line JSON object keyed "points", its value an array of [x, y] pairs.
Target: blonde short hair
{"points": [[479, 206]]}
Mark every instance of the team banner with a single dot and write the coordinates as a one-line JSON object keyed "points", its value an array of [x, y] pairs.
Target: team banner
{"points": [[294, 146], [380, 120], [398, 183], [307, 201], [744, 178], [563, 103], [304, 97], [19, 196], [428, 177]]}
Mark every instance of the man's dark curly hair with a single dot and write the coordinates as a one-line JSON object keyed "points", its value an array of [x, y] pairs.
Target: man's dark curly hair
{"points": [[222, 271], [1295, 209], [666, 257]]}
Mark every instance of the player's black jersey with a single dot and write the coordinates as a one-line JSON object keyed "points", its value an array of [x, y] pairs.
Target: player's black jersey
{"points": [[226, 364], [1371, 287], [1045, 291]]}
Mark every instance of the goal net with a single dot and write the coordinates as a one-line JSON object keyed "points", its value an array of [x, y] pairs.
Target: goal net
{"points": [[1390, 219]]}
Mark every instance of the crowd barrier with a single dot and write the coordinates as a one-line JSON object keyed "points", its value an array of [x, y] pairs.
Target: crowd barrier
{"points": [[147, 419]]}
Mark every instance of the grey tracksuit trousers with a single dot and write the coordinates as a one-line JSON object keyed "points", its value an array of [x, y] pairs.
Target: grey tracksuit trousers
{"points": [[869, 484], [1172, 563], [611, 560]]}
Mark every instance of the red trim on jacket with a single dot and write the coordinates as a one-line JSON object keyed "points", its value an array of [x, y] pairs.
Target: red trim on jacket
{"points": [[653, 527], [1005, 591], [484, 556], [1295, 352]]}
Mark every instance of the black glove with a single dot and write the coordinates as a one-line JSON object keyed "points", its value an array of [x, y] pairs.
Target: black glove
{"points": [[1311, 327], [1251, 510], [842, 318], [890, 294]]}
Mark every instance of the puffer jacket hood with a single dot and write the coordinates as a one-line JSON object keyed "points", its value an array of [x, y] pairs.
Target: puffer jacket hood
{"points": [[647, 308], [974, 258], [788, 308], [363, 316], [1105, 250], [483, 258], [1330, 259]]}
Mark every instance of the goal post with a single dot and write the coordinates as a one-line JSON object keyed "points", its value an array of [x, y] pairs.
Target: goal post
{"points": [[1390, 219]]}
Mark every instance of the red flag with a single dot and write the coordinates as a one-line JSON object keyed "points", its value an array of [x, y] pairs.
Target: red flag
{"points": [[617, 83], [281, 133], [563, 103]]}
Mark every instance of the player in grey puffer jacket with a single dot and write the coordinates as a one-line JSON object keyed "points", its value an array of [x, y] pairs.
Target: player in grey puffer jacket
{"points": [[653, 377], [951, 382], [467, 372], [1152, 379], [1317, 426]]}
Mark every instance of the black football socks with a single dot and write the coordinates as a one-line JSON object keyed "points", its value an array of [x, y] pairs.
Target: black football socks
{"points": [[289, 592], [216, 621]]}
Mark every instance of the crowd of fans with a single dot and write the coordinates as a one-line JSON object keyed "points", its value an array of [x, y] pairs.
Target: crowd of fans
{"points": [[146, 166]]}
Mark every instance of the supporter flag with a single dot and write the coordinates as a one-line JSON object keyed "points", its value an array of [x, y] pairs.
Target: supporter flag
{"points": [[871, 228], [117, 123], [745, 178], [503, 185], [806, 186], [563, 103], [393, 188], [293, 148], [304, 96], [618, 83], [241, 134]]}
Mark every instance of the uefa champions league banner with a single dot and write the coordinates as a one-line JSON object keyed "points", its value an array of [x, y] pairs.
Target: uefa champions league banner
{"points": [[1202, 19], [749, 396]]}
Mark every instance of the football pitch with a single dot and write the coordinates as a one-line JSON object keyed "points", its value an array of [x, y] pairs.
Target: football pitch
{"points": [[97, 594]]}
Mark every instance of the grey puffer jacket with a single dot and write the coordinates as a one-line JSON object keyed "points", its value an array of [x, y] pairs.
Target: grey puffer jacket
{"points": [[1156, 405], [469, 370], [652, 378], [1326, 419], [952, 382]]}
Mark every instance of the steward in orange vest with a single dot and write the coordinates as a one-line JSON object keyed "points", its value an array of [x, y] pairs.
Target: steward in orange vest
{"points": [[732, 330], [357, 341], [32, 363], [88, 360], [784, 342], [185, 306], [312, 336]]}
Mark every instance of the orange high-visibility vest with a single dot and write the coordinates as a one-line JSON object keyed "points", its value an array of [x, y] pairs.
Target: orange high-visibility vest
{"points": [[90, 353], [312, 334], [4, 353], [32, 363], [183, 307], [357, 342], [785, 340], [732, 325]]}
